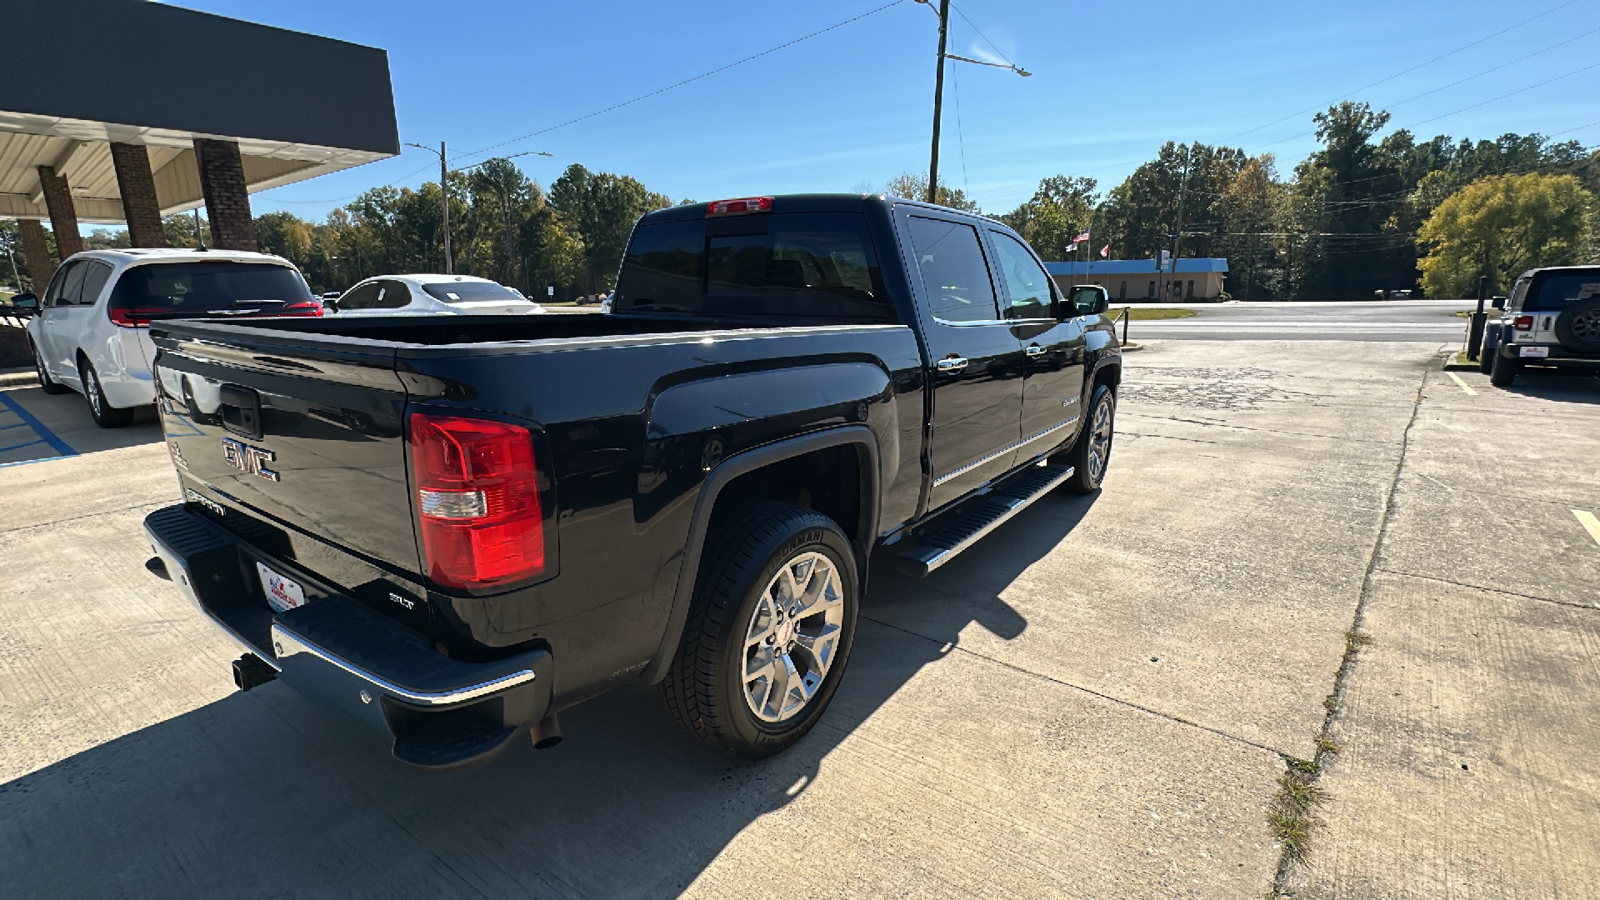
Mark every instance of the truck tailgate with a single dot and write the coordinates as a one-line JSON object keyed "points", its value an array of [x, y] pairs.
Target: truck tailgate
{"points": [[303, 436]]}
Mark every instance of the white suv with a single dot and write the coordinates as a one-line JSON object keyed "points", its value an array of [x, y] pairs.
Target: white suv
{"points": [[91, 331], [1552, 319]]}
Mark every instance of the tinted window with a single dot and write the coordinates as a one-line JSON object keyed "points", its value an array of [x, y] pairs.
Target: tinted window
{"points": [[1555, 291], [954, 274], [473, 292], [204, 287], [1026, 282], [72, 285], [780, 264], [392, 295], [94, 281], [52, 296], [362, 296]]}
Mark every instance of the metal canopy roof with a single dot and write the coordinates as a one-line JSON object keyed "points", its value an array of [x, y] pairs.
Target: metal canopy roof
{"points": [[297, 105]]}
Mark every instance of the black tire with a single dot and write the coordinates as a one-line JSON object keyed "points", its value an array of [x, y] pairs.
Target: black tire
{"points": [[105, 415], [46, 384], [706, 688], [1089, 456], [1504, 370], [1578, 326], [1486, 353]]}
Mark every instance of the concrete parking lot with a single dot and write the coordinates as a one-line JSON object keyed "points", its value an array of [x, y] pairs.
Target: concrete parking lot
{"points": [[1300, 545]]}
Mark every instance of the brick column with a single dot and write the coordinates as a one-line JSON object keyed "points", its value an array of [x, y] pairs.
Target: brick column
{"points": [[227, 199], [138, 189], [36, 255], [63, 217]]}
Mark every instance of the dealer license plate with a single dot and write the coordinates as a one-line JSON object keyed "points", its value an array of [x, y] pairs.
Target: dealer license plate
{"points": [[282, 593], [1535, 351]]}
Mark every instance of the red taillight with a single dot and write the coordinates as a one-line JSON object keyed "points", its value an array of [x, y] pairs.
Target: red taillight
{"points": [[1523, 323], [477, 500], [739, 207], [307, 308], [134, 318]]}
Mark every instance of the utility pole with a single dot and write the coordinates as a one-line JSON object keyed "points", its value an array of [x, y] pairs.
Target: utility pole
{"points": [[938, 101], [444, 203], [1177, 231], [444, 200]]}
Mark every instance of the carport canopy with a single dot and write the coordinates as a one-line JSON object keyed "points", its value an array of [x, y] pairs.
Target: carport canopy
{"points": [[85, 74]]}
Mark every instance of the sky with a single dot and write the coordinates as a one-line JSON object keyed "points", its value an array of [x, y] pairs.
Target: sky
{"points": [[852, 108]]}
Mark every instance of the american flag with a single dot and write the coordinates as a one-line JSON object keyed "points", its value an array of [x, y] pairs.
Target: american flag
{"points": [[1081, 238]]}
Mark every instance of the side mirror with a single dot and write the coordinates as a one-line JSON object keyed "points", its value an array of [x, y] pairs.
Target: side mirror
{"points": [[25, 301], [1498, 303], [330, 304]]}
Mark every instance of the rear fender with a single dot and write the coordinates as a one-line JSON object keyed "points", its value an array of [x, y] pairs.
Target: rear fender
{"points": [[724, 474]]}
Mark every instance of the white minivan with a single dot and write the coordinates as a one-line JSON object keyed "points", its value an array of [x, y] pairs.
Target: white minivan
{"points": [[90, 332]]}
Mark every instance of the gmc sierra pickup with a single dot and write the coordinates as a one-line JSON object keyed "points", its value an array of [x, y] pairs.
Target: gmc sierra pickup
{"points": [[456, 527]]}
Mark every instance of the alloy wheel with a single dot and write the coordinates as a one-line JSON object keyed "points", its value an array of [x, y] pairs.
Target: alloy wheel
{"points": [[1100, 440], [792, 637]]}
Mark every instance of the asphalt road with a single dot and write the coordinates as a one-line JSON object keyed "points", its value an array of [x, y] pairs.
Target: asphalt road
{"points": [[1390, 320]]}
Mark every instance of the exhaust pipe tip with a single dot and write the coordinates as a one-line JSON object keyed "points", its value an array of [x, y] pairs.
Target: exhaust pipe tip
{"points": [[547, 733], [251, 671]]}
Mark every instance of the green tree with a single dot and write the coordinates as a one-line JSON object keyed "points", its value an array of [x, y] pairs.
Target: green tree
{"points": [[1061, 209], [1501, 225], [915, 187], [1252, 208], [287, 235], [180, 230], [601, 208]]}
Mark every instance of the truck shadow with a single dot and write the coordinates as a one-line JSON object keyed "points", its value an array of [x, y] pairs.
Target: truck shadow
{"points": [[265, 794]]}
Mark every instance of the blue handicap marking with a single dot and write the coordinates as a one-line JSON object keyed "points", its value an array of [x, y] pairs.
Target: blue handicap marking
{"points": [[23, 437]]}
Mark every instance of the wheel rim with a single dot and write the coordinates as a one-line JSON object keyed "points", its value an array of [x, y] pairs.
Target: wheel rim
{"points": [[92, 388], [792, 637], [1100, 440]]}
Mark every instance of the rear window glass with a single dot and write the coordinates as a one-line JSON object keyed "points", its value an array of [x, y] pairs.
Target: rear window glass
{"points": [[779, 264], [208, 287], [1556, 291], [473, 292]]}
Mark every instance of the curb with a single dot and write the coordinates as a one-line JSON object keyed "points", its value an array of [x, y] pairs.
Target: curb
{"points": [[19, 377]]}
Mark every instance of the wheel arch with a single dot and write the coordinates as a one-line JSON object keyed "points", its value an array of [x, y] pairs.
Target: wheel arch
{"points": [[740, 479]]}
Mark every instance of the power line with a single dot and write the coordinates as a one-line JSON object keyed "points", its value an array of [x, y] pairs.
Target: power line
{"points": [[646, 96], [687, 81]]}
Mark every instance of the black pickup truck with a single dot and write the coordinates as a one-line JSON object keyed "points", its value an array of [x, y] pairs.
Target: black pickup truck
{"points": [[455, 527]]}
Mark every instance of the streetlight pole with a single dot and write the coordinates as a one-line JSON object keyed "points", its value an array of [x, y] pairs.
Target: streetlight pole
{"points": [[444, 200], [938, 90]]}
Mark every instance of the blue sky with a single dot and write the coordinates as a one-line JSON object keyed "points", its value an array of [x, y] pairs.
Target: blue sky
{"points": [[1111, 83]]}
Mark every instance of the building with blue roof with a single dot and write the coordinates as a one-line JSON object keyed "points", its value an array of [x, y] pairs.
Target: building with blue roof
{"points": [[1137, 279]]}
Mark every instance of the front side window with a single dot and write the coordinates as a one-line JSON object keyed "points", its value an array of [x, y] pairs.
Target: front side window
{"points": [[53, 294], [954, 274], [1026, 281], [72, 285]]}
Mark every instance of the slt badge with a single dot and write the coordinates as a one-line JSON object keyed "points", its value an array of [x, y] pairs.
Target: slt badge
{"points": [[249, 459]]}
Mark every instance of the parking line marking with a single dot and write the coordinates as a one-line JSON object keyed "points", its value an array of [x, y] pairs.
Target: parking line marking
{"points": [[1464, 386], [45, 434], [1589, 522]]}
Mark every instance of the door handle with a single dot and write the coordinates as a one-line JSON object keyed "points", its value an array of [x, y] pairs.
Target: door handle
{"points": [[952, 364], [1034, 350]]}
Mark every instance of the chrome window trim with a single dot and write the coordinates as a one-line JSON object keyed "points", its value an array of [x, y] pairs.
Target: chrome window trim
{"points": [[983, 460]]}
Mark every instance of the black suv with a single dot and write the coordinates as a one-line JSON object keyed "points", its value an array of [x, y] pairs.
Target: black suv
{"points": [[1552, 319]]}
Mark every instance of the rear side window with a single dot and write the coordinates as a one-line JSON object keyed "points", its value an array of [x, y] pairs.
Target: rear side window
{"points": [[954, 274], [1557, 291], [777, 264], [208, 287], [94, 281]]}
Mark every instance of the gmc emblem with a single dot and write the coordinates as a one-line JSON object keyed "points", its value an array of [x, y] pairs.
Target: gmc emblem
{"points": [[249, 459]]}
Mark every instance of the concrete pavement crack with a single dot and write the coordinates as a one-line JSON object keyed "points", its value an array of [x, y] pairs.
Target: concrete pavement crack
{"points": [[1078, 687], [106, 512], [1328, 437], [1169, 437], [1307, 776], [1489, 590]]}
